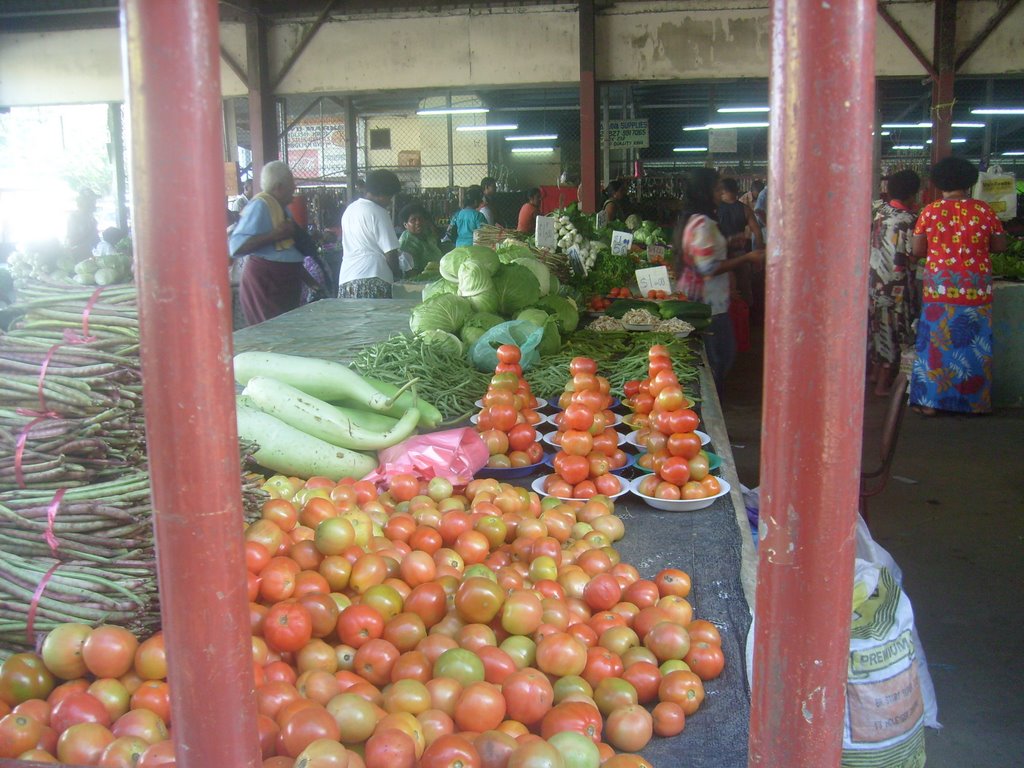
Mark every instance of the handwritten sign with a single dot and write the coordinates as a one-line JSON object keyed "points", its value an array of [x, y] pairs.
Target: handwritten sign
{"points": [[621, 242], [545, 233], [622, 134], [653, 279], [600, 220], [576, 261], [655, 252]]}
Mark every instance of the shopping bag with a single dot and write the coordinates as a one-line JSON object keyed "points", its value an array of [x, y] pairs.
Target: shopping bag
{"points": [[999, 190], [524, 334]]}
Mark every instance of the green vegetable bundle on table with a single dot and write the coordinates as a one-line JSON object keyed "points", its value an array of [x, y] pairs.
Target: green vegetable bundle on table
{"points": [[75, 510]]}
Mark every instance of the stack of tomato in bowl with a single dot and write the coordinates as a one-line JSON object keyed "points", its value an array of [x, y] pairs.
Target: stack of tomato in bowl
{"points": [[666, 431], [507, 419], [587, 441]]}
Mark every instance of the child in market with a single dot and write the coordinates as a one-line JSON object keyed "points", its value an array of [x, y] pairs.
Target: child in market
{"points": [[469, 219], [417, 246]]}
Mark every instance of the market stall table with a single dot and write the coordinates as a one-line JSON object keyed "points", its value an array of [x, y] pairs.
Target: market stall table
{"points": [[712, 545]]}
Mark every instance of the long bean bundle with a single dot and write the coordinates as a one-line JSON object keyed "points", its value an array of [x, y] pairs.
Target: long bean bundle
{"points": [[445, 379], [621, 357], [76, 518]]}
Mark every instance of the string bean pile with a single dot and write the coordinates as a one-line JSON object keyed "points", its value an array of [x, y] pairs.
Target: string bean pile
{"points": [[621, 357], [445, 379], [74, 485]]}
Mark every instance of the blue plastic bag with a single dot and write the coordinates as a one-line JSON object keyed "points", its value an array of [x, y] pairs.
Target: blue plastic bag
{"points": [[524, 334]]}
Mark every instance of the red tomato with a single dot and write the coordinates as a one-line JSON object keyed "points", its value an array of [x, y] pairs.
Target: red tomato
{"points": [[669, 719], [561, 654], [577, 716], [602, 592], [582, 365], [675, 470], [358, 624], [521, 437], [288, 626], [390, 748], [528, 696], [645, 678], [601, 663], [577, 417], [684, 688], [508, 354], [450, 751], [705, 659], [629, 728]]}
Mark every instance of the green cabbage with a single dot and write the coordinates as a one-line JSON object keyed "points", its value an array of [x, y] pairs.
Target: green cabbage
{"points": [[454, 259], [633, 221], [446, 312], [540, 271], [471, 333], [551, 342], [536, 316], [474, 279], [442, 339], [516, 288], [564, 311], [483, 320], [438, 287], [485, 302], [511, 250]]}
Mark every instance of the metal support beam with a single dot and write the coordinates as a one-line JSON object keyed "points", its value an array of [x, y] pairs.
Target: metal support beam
{"points": [[230, 132], [304, 41], [115, 125], [979, 39], [451, 148], [908, 41], [590, 129], [185, 324], [811, 440], [351, 147], [942, 86], [315, 103], [262, 110], [234, 66]]}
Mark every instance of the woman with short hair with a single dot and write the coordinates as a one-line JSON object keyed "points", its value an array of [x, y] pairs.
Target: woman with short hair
{"points": [[953, 367], [369, 260]]}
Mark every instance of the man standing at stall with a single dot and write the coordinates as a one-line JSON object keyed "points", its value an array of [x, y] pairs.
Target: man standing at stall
{"points": [[369, 245], [271, 281]]}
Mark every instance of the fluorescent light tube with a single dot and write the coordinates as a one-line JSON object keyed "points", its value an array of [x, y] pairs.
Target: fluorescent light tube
{"points": [[909, 146], [532, 150], [536, 137], [454, 111], [951, 141], [968, 125], [906, 125], [1014, 153], [690, 149], [491, 127], [740, 110], [998, 111], [717, 126]]}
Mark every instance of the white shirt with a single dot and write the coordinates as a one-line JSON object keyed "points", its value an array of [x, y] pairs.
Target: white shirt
{"points": [[366, 235]]}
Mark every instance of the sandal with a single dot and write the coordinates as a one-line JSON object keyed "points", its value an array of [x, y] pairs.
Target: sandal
{"points": [[923, 410]]}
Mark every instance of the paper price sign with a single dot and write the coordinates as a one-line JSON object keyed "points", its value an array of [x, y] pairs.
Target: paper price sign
{"points": [[655, 252], [576, 261], [621, 242], [545, 233], [653, 279], [601, 220]]}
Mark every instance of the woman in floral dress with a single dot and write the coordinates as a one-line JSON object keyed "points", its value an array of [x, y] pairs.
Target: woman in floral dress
{"points": [[953, 367], [894, 305]]}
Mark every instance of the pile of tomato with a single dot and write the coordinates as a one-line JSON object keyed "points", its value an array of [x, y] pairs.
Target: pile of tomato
{"points": [[620, 293], [588, 442], [659, 294], [666, 431], [507, 418], [599, 303], [420, 626]]}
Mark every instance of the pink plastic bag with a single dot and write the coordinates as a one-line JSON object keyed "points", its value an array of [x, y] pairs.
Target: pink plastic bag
{"points": [[455, 454]]}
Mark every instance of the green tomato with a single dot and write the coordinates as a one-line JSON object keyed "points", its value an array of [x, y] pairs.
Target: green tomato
{"points": [[577, 750], [460, 664]]}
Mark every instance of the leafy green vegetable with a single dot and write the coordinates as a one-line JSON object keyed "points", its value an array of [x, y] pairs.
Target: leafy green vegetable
{"points": [[516, 288], [540, 271], [510, 250], [551, 342], [484, 320], [437, 288], [536, 316], [443, 339], [563, 310], [474, 279], [454, 259], [446, 312]]}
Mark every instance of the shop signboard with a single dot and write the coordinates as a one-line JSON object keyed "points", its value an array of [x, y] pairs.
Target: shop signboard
{"points": [[627, 134]]}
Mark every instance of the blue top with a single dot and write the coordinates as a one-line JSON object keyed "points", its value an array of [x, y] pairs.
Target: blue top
{"points": [[255, 220], [466, 221]]}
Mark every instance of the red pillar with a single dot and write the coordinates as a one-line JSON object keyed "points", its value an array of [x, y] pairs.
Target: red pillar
{"points": [[170, 50], [589, 124], [822, 103], [942, 83]]}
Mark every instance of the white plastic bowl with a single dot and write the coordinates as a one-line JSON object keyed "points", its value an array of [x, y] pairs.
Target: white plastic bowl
{"points": [[680, 505], [538, 486]]}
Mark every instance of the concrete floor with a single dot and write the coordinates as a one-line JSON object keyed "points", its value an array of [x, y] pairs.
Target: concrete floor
{"points": [[953, 518]]}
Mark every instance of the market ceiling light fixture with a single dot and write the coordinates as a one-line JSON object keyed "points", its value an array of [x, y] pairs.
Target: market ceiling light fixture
{"points": [[929, 125], [491, 127], [1014, 153], [909, 146], [535, 137], [951, 141], [741, 110], [532, 150], [454, 111], [690, 149], [717, 126], [998, 111]]}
